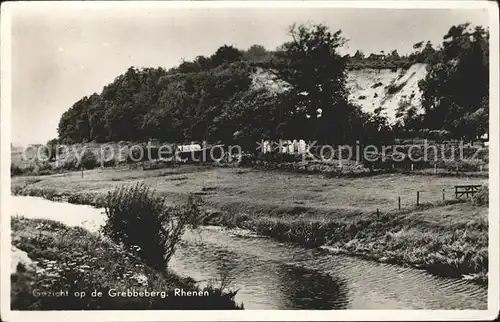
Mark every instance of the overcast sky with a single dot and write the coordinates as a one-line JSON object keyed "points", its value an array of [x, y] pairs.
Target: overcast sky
{"points": [[60, 56]]}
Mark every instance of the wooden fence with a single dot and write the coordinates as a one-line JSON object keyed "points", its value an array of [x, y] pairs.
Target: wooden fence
{"points": [[466, 190], [461, 191]]}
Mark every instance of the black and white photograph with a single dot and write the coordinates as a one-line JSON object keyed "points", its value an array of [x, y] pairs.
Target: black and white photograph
{"points": [[249, 160]]}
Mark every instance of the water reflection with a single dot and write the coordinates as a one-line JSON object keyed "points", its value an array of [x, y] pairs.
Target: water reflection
{"points": [[307, 289], [273, 275], [262, 283]]}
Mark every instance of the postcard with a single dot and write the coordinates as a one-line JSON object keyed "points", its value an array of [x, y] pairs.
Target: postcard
{"points": [[249, 160]]}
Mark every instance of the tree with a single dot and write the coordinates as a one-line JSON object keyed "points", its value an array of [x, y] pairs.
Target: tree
{"points": [[249, 117], [311, 64], [407, 117], [226, 54], [418, 45], [394, 55], [377, 127], [188, 67], [428, 53], [359, 55], [457, 84], [256, 53], [203, 62]]}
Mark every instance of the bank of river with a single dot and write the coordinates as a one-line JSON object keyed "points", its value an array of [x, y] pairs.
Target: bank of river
{"points": [[275, 275], [355, 217]]}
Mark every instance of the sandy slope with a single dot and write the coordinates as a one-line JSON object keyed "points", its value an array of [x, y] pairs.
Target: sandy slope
{"points": [[369, 87], [372, 85]]}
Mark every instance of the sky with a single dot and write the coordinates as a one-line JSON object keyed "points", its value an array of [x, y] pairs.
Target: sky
{"points": [[59, 56]]}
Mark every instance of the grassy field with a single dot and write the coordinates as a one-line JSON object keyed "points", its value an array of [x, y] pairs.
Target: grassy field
{"points": [[71, 259], [447, 237], [262, 191]]}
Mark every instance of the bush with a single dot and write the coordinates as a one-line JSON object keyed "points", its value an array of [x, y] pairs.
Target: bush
{"points": [[89, 160], [157, 164], [466, 165], [51, 152], [137, 218], [108, 163], [393, 88], [15, 170], [68, 163], [42, 168], [137, 154], [278, 157], [482, 196]]}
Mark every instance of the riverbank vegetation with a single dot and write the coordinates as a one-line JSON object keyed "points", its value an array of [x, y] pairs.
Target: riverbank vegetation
{"points": [[129, 256], [447, 237], [139, 219], [439, 239], [73, 259]]}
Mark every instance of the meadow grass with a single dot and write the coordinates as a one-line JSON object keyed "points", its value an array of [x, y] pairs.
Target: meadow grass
{"points": [[256, 189]]}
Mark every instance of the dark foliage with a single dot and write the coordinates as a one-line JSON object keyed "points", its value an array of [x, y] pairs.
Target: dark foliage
{"points": [[139, 219], [214, 98], [456, 90]]}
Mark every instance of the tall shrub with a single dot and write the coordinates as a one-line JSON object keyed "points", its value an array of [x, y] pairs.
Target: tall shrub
{"points": [[139, 219], [89, 160]]}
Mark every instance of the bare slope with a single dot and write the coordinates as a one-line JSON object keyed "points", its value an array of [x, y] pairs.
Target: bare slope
{"points": [[370, 88]]}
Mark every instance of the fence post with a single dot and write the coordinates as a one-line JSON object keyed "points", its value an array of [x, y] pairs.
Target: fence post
{"points": [[443, 194], [418, 197], [399, 203]]}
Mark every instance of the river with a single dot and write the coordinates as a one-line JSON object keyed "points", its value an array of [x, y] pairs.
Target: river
{"points": [[274, 275]]}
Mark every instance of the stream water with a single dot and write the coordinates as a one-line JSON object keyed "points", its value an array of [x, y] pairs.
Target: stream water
{"points": [[274, 275]]}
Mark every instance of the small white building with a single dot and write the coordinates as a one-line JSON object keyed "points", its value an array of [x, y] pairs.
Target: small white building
{"points": [[485, 139], [302, 146], [189, 147], [267, 146]]}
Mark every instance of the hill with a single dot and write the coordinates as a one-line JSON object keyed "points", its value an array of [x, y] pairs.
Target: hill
{"points": [[303, 89], [370, 88]]}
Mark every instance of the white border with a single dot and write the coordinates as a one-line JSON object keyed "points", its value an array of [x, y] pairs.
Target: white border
{"points": [[250, 315]]}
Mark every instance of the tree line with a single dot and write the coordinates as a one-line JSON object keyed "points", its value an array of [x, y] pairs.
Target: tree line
{"points": [[215, 98]]}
